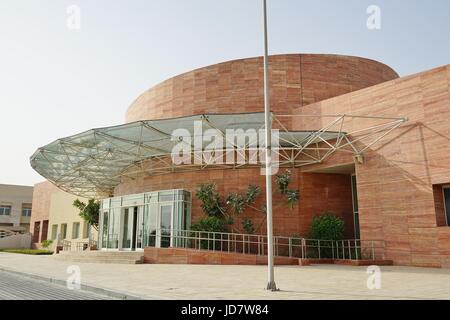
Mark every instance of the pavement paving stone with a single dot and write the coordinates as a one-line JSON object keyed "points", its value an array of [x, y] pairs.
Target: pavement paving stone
{"points": [[194, 282]]}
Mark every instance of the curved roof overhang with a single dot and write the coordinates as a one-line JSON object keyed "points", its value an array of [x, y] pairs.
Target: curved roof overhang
{"points": [[91, 164]]}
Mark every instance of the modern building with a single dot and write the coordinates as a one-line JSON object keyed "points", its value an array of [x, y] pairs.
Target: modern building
{"points": [[55, 218], [358, 141], [15, 207]]}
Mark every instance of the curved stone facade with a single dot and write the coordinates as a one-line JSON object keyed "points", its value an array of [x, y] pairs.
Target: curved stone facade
{"points": [[236, 86]]}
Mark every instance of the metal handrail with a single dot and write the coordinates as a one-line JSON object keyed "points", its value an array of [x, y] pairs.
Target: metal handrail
{"points": [[294, 247]]}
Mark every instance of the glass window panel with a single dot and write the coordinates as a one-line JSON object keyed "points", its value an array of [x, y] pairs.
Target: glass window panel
{"points": [[54, 234], [355, 194], [140, 228], [26, 212], [152, 198], [134, 200], [105, 224], [166, 225], [166, 196], [75, 230], [150, 224], [127, 231], [86, 230], [63, 231], [105, 204], [113, 228], [116, 202], [447, 204], [5, 210]]}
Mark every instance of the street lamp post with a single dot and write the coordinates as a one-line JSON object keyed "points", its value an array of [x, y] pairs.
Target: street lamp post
{"points": [[268, 132]]}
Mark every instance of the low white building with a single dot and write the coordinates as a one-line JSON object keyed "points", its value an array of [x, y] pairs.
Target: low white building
{"points": [[15, 207]]}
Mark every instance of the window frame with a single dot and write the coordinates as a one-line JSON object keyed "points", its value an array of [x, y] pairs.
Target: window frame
{"points": [[3, 207], [54, 236], [77, 235], [27, 209], [446, 210], [63, 227], [85, 232]]}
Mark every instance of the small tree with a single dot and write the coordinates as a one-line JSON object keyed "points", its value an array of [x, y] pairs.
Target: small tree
{"points": [[211, 203], [89, 212], [327, 227], [283, 181], [247, 225]]}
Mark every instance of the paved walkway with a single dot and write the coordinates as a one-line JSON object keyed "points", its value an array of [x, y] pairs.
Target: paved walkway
{"points": [[16, 287], [242, 282]]}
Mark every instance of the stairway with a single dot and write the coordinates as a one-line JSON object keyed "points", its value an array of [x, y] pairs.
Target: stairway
{"points": [[6, 233], [107, 257]]}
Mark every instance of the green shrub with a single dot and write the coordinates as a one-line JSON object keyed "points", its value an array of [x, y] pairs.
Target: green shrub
{"points": [[28, 251], [247, 225], [210, 224], [327, 227], [46, 243]]}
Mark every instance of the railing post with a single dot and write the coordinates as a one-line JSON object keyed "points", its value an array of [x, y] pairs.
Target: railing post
{"points": [[332, 249], [290, 247], [356, 249], [343, 250], [259, 245], [373, 251], [275, 250], [303, 248], [350, 249], [318, 244]]}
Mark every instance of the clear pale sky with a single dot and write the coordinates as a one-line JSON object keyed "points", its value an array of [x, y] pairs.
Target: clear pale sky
{"points": [[55, 82]]}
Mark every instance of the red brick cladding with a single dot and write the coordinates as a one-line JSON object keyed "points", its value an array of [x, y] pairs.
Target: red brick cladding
{"points": [[319, 193], [237, 86], [395, 183], [186, 256]]}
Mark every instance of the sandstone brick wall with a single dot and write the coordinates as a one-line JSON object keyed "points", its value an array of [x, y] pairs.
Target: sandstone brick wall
{"points": [[41, 205], [186, 256], [395, 183], [237, 86], [319, 193]]}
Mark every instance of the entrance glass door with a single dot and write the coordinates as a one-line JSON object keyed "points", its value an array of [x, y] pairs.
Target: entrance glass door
{"points": [[134, 222], [140, 228], [164, 234], [129, 228]]}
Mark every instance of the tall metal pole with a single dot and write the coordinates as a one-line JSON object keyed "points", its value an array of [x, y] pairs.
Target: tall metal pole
{"points": [[268, 124]]}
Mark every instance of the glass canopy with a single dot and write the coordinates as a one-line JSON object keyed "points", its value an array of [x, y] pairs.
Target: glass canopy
{"points": [[91, 164]]}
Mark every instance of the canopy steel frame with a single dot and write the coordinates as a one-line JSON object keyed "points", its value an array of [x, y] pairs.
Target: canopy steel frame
{"points": [[93, 163]]}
